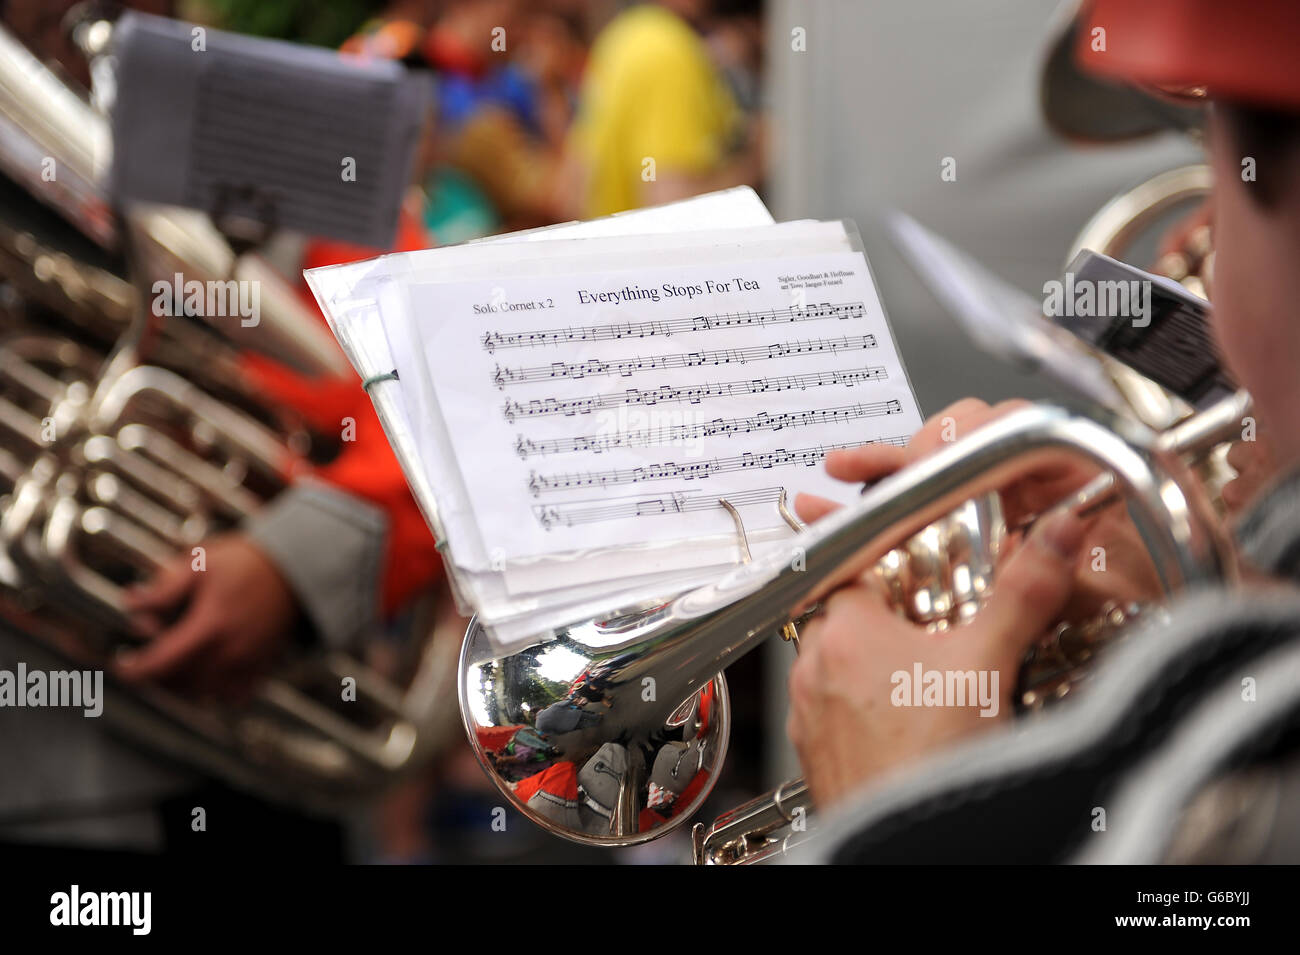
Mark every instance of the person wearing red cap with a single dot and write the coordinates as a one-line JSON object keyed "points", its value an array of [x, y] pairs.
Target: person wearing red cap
{"points": [[1238, 63]]}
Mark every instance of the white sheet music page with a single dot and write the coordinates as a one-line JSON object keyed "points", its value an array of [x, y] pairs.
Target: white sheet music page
{"points": [[601, 410]]}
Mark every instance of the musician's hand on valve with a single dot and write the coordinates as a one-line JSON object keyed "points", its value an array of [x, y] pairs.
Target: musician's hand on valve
{"points": [[1114, 566], [850, 717], [213, 630], [874, 461]]}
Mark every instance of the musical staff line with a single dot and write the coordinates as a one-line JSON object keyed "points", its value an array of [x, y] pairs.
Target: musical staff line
{"points": [[698, 470], [650, 437], [627, 367], [668, 327], [666, 394], [678, 502]]}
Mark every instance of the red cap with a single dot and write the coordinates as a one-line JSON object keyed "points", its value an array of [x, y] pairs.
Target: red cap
{"points": [[1248, 52]]}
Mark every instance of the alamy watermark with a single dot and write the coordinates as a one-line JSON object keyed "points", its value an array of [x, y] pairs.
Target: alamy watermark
{"points": [[75, 907], [229, 298], [74, 689], [921, 687], [1088, 298]]}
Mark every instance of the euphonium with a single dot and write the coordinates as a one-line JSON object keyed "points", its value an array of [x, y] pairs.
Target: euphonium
{"points": [[106, 474], [118, 454]]}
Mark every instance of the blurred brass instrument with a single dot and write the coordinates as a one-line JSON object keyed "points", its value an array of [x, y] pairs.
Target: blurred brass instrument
{"points": [[125, 442], [1117, 230], [930, 534]]}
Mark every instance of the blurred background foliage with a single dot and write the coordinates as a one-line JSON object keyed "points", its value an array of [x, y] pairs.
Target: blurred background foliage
{"points": [[319, 22]]}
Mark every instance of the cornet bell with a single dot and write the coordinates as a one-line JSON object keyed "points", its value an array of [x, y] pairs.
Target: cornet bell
{"points": [[585, 741]]}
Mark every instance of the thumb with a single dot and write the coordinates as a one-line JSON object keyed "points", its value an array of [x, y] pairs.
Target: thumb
{"points": [[1034, 586], [868, 462]]}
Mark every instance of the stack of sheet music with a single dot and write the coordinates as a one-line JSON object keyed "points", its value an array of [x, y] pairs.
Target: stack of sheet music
{"points": [[589, 414]]}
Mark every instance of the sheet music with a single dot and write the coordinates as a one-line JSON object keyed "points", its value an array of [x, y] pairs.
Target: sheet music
{"points": [[368, 306], [591, 411]]}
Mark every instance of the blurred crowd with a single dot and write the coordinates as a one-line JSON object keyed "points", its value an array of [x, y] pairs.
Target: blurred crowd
{"points": [[562, 109], [545, 110]]}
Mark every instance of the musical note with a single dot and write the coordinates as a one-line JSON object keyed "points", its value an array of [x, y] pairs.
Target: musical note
{"points": [[722, 356], [727, 427], [668, 327], [666, 394], [696, 470], [586, 512]]}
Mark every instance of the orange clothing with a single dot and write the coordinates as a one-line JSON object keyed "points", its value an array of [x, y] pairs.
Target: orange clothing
{"points": [[560, 780], [366, 467]]}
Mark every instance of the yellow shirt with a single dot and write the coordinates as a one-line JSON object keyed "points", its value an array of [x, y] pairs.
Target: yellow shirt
{"points": [[652, 104]]}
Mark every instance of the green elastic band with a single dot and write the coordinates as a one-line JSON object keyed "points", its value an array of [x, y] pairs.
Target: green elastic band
{"points": [[375, 379]]}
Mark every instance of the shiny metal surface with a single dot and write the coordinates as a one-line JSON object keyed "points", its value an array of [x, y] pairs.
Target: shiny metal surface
{"points": [[762, 829], [578, 733], [941, 575], [107, 475], [126, 441], [44, 120], [677, 647]]}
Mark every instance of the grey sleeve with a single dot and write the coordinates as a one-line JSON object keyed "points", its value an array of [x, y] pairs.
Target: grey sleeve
{"points": [[329, 545], [1269, 532]]}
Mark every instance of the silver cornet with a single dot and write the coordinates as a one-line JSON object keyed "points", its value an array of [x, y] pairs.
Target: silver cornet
{"points": [[767, 826], [613, 731]]}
